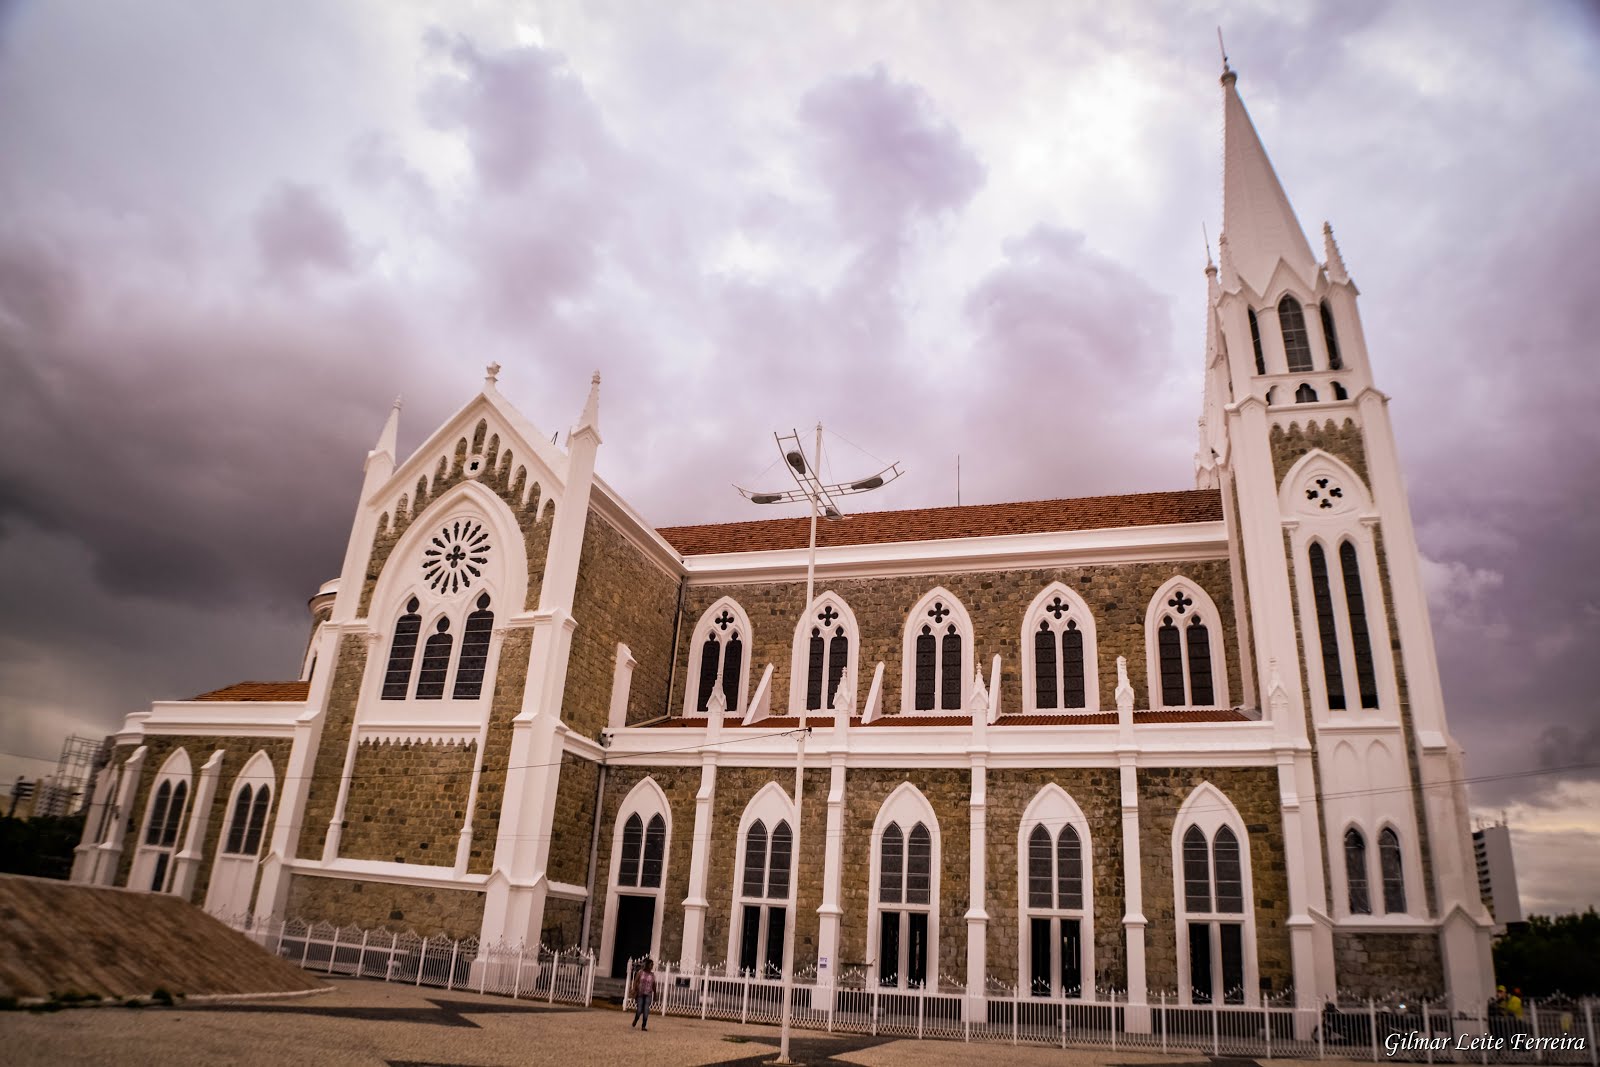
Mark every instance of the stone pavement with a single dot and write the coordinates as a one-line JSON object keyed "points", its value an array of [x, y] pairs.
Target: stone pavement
{"points": [[377, 1024]]}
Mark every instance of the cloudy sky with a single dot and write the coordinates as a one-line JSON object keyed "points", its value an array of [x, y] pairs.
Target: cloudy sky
{"points": [[231, 233]]}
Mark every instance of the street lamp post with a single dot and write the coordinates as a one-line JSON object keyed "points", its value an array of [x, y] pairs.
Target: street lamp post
{"points": [[820, 497]]}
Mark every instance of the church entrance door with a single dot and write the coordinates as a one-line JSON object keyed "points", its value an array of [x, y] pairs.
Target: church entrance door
{"points": [[636, 922]]}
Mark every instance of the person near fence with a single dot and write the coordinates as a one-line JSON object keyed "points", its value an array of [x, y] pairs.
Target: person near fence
{"points": [[644, 991]]}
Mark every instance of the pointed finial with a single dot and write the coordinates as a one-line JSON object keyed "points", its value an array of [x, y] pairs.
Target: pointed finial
{"points": [[1335, 258], [1228, 76], [398, 401], [491, 374], [1211, 268], [590, 419]]}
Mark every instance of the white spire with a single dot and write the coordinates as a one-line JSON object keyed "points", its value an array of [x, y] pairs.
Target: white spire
{"points": [[1257, 221], [1334, 258], [590, 419], [388, 435]]}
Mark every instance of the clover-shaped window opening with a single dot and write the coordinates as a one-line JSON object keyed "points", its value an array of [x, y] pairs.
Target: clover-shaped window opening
{"points": [[455, 556], [1324, 492], [827, 656]]}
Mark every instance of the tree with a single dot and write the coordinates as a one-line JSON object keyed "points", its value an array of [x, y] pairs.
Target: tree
{"points": [[41, 846], [1550, 955]]}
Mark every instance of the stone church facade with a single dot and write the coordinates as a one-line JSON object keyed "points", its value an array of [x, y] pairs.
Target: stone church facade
{"points": [[1190, 742]]}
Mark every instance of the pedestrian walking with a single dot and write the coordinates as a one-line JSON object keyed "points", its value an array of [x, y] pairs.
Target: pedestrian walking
{"points": [[644, 991]]}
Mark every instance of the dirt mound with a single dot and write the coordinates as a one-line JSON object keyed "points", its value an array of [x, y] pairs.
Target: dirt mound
{"points": [[59, 937]]}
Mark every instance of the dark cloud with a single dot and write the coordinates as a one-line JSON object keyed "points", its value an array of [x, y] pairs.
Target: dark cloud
{"points": [[295, 230]]}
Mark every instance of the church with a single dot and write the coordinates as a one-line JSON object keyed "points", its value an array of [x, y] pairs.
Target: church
{"points": [[1187, 743]]}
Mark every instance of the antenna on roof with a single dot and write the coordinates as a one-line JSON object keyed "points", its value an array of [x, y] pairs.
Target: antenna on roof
{"points": [[1224, 50]]}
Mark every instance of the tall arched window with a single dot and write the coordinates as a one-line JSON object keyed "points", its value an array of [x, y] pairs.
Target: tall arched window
{"points": [[1255, 341], [1059, 670], [158, 814], [1296, 343], [938, 654], [474, 651], [717, 649], [824, 648], [1055, 912], [402, 653], [1216, 929], [1330, 337], [631, 926], [239, 821], [1185, 655], [1393, 870], [1360, 637], [1327, 628], [903, 910], [1355, 872], [767, 862], [163, 820], [435, 662]]}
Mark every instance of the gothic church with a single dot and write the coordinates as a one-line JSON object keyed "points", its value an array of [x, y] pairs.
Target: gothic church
{"points": [[1188, 742]]}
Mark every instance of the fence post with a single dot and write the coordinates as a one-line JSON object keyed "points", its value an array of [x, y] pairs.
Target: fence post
{"points": [[705, 989], [516, 979], [1063, 1025], [744, 1011], [483, 969], [1372, 1027], [1113, 1019], [334, 951], [1266, 1011], [1427, 1029], [1215, 1047], [455, 950], [874, 1013], [394, 946], [1322, 1024], [921, 1000], [1165, 1022], [1016, 1017], [555, 969], [1588, 1027], [421, 960], [1533, 1013]]}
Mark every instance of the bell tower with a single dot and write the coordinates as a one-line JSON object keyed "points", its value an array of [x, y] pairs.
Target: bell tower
{"points": [[1296, 436]]}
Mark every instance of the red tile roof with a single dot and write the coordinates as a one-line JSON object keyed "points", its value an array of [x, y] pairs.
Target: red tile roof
{"points": [[934, 524], [266, 691]]}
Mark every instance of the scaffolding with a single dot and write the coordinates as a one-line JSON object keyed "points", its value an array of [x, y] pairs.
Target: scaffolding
{"points": [[66, 791]]}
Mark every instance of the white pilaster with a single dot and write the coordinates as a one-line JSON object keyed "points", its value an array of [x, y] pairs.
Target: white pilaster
{"points": [[695, 904], [186, 864], [83, 855], [1133, 920]]}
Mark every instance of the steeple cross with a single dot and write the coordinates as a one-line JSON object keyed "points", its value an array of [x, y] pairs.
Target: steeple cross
{"points": [[1058, 608], [1181, 602], [723, 620], [827, 615], [938, 611]]}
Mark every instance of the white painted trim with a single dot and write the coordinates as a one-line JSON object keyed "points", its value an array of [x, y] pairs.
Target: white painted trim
{"points": [[1203, 606], [1209, 808], [1054, 808], [175, 769], [907, 806], [621, 685], [233, 875], [1171, 543], [646, 800], [697, 637], [635, 529], [1079, 613], [955, 614]]}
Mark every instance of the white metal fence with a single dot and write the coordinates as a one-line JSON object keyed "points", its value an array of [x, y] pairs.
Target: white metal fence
{"points": [[1553, 1032], [514, 970]]}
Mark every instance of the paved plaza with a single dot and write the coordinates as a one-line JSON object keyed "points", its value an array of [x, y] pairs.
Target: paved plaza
{"points": [[376, 1024]]}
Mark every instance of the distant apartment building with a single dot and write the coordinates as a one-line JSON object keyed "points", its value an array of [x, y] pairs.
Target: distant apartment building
{"points": [[1497, 873]]}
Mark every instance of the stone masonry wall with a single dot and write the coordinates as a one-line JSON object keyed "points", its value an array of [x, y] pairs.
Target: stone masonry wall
{"points": [[238, 751], [511, 676], [573, 824], [407, 802], [950, 793], [430, 912], [1117, 594], [680, 785], [621, 596], [563, 923], [1098, 792], [328, 766], [1254, 792], [736, 787], [1378, 964], [1342, 439]]}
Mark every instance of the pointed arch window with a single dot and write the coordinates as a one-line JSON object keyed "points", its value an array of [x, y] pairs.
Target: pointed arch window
{"points": [[1215, 920], [1059, 672], [474, 651], [937, 650], [161, 832], [632, 851], [1340, 392], [435, 662], [637, 877], [644, 851], [258, 820], [827, 652], [1392, 868], [1330, 337], [1327, 632], [1255, 341], [1305, 394], [1055, 914], [239, 821], [1296, 342], [158, 814], [718, 647], [905, 886], [1186, 660], [767, 862], [1360, 636], [1355, 872], [402, 653]]}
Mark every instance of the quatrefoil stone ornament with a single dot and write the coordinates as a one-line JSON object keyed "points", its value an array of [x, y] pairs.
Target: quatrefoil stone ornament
{"points": [[938, 611], [827, 615], [1180, 602], [1058, 608], [724, 620]]}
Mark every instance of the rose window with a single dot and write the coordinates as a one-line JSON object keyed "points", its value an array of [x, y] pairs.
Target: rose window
{"points": [[455, 556]]}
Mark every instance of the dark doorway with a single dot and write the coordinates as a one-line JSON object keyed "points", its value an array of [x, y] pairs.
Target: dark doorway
{"points": [[636, 920]]}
